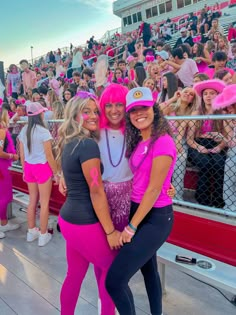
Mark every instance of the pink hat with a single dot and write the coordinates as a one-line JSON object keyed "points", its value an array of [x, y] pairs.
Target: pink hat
{"points": [[226, 98], [214, 84], [130, 58], [140, 96], [35, 108]]}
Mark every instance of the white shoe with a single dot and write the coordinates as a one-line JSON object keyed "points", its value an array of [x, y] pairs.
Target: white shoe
{"points": [[2, 235], [99, 307], [9, 227], [44, 239], [32, 235]]}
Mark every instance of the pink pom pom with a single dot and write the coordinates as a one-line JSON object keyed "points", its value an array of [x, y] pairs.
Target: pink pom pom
{"points": [[152, 58], [126, 80], [120, 80], [23, 101], [17, 102], [66, 79], [148, 58], [62, 75], [1, 101], [71, 80]]}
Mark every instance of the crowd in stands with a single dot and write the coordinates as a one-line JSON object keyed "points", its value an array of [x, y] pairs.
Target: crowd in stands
{"points": [[201, 53]]}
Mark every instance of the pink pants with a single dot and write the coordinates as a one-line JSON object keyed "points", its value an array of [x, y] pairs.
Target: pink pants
{"points": [[85, 244]]}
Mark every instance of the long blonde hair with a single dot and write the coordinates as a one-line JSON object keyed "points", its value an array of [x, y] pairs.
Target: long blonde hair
{"points": [[191, 106], [58, 110], [72, 129]]}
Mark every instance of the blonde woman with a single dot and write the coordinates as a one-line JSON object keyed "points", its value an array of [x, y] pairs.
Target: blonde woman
{"points": [[84, 219], [51, 98], [181, 104]]}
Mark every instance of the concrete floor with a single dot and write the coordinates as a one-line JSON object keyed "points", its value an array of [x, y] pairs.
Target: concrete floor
{"points": [[31, 278]]}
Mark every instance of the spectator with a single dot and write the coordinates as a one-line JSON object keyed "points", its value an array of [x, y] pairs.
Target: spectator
{"points": [[232, 63], [204, 152], [169, 87], [39, 167], [232, 32], [28, 76], [227, 102], [131, 45], [7, 156], [67, 95], [183, 68], [219, 60], [13, 81], [145, 29], [224, 75], [199, 77], [215, 27], [201, 56], [184, 38]]}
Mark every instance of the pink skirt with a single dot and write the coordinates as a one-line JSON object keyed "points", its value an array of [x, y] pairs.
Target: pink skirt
{"points": [[118, 197]]}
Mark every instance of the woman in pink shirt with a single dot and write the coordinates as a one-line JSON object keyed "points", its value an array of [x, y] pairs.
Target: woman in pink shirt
{"points": [[204, 152], [152, 155]]}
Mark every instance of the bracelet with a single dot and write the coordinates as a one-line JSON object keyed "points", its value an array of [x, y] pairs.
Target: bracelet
{"points": [[107, 234], [132, 227], [127, 231]]}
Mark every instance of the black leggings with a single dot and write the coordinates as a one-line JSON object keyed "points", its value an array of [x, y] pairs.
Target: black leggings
{"points": [[140, 254]]}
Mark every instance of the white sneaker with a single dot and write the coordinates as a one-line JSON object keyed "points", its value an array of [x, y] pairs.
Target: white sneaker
{"points": [[99, 307], [2, 235], [44, 239], [9, 227], [32, 235]]}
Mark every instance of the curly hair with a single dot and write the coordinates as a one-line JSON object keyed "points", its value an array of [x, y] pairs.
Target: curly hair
{"points": [[133, 136]]}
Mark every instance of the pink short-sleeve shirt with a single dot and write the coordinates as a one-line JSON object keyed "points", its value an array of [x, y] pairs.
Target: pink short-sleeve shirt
{"points": [[141, 165]]}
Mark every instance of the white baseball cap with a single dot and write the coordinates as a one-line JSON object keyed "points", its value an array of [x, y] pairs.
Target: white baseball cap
{"points": [[140, 96], [163, 54], [183, 29]]}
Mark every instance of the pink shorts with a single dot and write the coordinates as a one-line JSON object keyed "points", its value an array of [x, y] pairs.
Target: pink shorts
{"points": [[37, 173]]}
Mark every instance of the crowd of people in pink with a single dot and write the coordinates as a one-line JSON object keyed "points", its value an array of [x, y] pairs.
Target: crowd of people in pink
{"points": [[93, 120]]}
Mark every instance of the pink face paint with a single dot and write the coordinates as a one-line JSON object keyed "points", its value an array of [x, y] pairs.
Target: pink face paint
{"points": [[85, 116], [94, 176]]}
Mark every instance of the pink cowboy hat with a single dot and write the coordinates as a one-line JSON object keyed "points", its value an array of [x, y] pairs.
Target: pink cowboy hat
{"points": [[214, 84], [226, 98]]}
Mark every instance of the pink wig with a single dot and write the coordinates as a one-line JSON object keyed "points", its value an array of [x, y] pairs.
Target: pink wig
{"points": [[114, 93]]}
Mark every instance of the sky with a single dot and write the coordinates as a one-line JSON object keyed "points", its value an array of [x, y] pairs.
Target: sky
{"points": [[50, 24]]}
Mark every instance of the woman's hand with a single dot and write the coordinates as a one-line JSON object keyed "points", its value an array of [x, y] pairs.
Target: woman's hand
{"points": [[202, 149], [15, 157], [171, 192], [179, 147], [114, 240], [215, 150], [62, 186], [126, 235]]}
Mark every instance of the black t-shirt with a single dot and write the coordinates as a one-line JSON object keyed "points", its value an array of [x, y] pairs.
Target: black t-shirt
{"points": [[78, 208]]}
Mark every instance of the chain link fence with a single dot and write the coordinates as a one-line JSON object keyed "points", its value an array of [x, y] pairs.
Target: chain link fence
{"points": [[205, 171]]}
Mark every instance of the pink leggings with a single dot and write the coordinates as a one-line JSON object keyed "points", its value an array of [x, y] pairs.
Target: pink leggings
{"points": [[85, 244]]}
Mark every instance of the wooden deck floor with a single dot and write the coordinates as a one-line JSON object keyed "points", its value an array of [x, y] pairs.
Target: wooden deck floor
{"points": [[31, 278]]}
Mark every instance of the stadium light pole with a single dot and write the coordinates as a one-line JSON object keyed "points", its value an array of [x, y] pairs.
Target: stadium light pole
{"points": [[32, 59]]}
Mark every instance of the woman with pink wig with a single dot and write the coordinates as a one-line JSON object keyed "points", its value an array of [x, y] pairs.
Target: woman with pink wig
{"points": [[117, 176]]}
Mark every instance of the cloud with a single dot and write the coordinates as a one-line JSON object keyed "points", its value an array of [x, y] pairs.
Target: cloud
{"points": [[103, 5]]}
